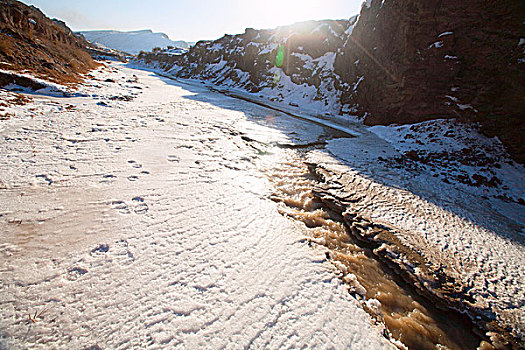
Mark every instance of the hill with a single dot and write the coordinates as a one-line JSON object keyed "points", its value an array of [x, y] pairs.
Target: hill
{"points": [[132, 42], [44, 47], [291, 64]]}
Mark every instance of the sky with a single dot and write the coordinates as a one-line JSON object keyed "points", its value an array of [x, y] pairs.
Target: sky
{"points": [[192, 20]]}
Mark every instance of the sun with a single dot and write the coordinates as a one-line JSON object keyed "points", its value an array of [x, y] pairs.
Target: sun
{"points": [[272, 13], [296, 10]]}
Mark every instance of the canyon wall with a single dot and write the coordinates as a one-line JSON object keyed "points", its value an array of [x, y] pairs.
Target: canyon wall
{"points": [[432, 59], [399, 61]]}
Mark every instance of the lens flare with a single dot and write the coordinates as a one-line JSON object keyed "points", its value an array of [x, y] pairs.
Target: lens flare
{"points": [[279, 59]]}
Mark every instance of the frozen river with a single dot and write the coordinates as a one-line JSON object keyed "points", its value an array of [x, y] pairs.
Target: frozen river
{"points": [[151, 213], [146, 223]]}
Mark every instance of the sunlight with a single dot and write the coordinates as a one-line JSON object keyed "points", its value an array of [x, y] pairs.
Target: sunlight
{"points": [[292, 11], [277, 13]]}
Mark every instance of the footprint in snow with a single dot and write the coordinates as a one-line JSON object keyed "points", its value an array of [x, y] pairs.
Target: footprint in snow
{"points": [[93, 347], [134, 164], [103, 248], [121, 207], [75, 273], [139, 207], [45, 178]]}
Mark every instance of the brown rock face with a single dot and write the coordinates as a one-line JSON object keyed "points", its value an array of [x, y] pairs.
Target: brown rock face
{"points": [[47, 48], [433, 59]]}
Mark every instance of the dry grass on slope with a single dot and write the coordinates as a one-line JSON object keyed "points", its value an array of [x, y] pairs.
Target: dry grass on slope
{"points": [[48, 49]]}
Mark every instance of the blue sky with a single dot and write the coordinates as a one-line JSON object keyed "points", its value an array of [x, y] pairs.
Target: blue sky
{"points": [[192, 20]]}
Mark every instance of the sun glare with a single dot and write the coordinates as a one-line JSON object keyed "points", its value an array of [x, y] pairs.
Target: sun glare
{"points": [[273, 13]]}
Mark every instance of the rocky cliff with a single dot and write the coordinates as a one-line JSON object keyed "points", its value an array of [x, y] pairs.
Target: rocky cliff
{"points": [[47, 48], [432, 59], [399, 61], [292, 64]]}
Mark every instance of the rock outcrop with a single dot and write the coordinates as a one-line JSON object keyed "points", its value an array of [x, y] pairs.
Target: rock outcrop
{"points": [[400, 61], [420, 60], [293, 64], [46, 48]]}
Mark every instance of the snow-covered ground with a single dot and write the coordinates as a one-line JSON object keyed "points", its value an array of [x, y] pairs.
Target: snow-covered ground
{"points": [[140, 216], [439, 195], [136, 217], [452, 194]]}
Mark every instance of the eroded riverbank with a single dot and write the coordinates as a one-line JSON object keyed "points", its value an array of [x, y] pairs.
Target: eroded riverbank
{"points": [[414, 316]]}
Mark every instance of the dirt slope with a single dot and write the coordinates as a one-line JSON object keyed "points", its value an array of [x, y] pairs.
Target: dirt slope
{"points": [[47, 48]]}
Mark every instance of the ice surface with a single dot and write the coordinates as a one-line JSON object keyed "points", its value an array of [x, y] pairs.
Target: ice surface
{"points": [[142, 222], [445, 34]]}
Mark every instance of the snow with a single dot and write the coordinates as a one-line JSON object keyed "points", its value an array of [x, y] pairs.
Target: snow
{"points": [[326, 61], [437, 45], [470, 229], [175, 51], [175, 243], [132, 42], [304, 95], [445, 34], [216, 47], [465, 106], [305, 112], [358, 82], [521, 43], [50, 88], [350, 29], [217, 67], [269, 48], [452, 98], [221, 69], [145, 223], [323, 26]]}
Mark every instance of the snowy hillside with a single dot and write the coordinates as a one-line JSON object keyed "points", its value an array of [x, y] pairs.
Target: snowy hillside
{"points": [[368, 66], [288, 64], [132, 42]]}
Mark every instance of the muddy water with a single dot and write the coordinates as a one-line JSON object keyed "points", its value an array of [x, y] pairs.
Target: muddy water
{"points": [[411, 321]]}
